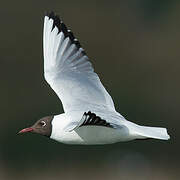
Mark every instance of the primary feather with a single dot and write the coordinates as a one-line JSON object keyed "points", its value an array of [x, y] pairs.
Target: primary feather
{"points": [[68, 70]]}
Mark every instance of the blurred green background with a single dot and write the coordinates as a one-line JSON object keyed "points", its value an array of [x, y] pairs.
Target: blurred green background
{"points": [[134, 47]]}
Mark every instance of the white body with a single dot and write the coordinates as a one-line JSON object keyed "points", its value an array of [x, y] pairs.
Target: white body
{"points": [[91, 135], [103, 135], [69, 72], [87, 134]]}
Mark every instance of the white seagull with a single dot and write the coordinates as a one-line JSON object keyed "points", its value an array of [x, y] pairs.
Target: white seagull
{"points": [[90, 116]]}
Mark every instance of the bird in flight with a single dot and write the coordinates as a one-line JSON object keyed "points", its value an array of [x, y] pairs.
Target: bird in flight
{"points": [[90, 116]]}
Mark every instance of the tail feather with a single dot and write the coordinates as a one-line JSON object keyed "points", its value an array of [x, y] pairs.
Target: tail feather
{"points": [[152, 132], [144, 132]]}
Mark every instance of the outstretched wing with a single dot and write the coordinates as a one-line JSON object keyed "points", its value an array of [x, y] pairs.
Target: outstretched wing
{"points": [[68, 70]]}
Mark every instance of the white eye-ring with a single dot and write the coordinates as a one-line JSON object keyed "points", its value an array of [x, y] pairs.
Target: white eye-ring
{"points": [[43, 123]]}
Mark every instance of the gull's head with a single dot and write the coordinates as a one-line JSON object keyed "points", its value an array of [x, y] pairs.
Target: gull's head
{"points": [[43, 126]]}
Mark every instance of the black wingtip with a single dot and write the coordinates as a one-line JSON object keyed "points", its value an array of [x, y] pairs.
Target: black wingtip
{"points": [[51, 15], [57, 22], [92, 119]]}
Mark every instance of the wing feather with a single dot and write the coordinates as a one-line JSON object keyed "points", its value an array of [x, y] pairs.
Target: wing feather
{"points": [[68, 70]]}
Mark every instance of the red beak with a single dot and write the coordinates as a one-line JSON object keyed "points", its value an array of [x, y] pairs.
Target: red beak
{"points": [[25, 130]]}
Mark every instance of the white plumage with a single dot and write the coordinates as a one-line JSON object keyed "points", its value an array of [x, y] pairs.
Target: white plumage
{"points": [[69, 72]]}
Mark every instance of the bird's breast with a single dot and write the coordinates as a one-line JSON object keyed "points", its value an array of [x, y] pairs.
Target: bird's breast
{"points": [[91, 135]]}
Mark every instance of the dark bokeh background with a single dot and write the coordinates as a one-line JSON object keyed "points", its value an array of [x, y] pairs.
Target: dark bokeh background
{"points": [[134, 46]]}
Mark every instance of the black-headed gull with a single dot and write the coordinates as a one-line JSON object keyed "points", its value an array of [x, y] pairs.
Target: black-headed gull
{"points": [[90, 116]]}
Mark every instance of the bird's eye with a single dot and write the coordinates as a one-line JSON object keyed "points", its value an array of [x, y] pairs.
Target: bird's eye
{"points": [[43, 123]]}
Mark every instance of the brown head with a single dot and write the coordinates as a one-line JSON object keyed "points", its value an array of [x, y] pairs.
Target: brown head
{"points": [[43, 126]]}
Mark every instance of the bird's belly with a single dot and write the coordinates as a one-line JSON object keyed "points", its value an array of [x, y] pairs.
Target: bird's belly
{"points": [[89, 135]]}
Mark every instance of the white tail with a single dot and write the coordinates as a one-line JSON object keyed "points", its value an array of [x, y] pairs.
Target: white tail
{"points": [[153, 132], [143, 132]]}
